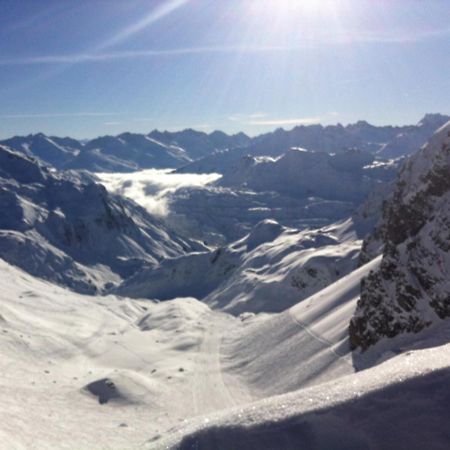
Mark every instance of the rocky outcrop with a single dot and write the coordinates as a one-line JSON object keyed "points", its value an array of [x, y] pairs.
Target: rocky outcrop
{"points": [[411, 289]]}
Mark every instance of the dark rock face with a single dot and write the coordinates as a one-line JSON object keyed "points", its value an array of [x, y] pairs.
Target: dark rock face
{"points": [[411, 288]]}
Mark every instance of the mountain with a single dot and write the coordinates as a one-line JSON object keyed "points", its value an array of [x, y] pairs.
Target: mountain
{"points": [[266, 359], [411, 290], [126, 152], [362, 136], [198, 144], [409, 139], [298, 189], [71, 231], [268, 270], [131, 151], [55, 151], [384, 142], [302, 173]]}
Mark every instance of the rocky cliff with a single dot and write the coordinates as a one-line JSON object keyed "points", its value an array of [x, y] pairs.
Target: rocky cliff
{"points": [[411, 289]]}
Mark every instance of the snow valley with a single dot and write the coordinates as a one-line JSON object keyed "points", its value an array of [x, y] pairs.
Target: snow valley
{"points": [[186, 290]]}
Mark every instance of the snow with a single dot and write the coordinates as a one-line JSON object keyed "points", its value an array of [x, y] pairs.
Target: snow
{"points": [[161, 360], [268, 270], [402, 403], [109, 372]]}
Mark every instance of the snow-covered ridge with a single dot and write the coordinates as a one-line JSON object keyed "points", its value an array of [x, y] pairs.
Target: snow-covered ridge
{"points": [[71, 231], [268, 270], [126, 152]]}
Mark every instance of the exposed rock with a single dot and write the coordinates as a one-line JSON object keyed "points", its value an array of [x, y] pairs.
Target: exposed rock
{"points": [[411, 289]]}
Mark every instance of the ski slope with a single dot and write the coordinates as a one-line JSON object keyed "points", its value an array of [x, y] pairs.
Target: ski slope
{"points": [[110, 372]]}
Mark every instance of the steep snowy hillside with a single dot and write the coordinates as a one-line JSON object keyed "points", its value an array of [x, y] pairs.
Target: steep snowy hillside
{"points": [[73, 232], [299, 189], [411, 290], [268, 270]]}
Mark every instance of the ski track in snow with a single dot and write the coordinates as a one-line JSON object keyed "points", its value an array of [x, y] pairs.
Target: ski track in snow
{"points": [[320, 339], [210, 393]]}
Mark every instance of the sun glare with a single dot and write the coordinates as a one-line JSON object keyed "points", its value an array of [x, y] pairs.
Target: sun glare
{"points": [[294, 6]]}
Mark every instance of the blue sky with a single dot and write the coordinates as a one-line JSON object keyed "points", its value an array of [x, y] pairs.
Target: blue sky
{"points": [[91, 67]]}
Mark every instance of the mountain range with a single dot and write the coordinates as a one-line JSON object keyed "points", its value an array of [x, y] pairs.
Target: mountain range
{"points": [[130, 151]]}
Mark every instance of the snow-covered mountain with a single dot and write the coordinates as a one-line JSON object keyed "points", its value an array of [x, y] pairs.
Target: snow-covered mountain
{"points": [[408, 140], [301, 173], [198, 144], [411, 290], [338, 138], [126, 152], [268, 270], [130, 151], [299, 189], [71, 231]]}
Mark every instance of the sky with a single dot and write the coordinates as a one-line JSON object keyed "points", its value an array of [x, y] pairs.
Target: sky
{"points": [[85, 68]]}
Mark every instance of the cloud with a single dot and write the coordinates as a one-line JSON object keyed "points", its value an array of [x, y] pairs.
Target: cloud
{"points": [[99, 53], [249, 120], [134, 54], [57, 115], [244, 118], [153, 188], [154, 16], [143, 119]]}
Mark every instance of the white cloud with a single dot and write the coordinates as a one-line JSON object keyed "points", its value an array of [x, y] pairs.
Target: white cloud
{"points": [[348, 37], [282, 122], [152, 188], [57, 115]]}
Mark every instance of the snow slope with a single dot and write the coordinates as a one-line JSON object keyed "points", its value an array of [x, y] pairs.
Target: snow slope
{"points": [[400, 404], [83, 372], [306, 344], [109, 372]]}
